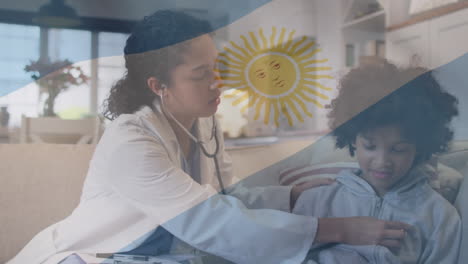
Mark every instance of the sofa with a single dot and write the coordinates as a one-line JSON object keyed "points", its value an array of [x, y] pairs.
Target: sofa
{"points": [[41, 183]]}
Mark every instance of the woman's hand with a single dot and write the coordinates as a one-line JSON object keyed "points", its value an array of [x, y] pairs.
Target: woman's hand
{"points": [[362, 231], [299, 188]]}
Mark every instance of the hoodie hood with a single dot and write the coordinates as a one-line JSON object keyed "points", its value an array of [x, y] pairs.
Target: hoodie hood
{"points": [[410, 185]]}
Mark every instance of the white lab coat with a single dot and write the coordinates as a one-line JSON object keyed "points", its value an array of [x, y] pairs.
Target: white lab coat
{"points": [[135, 182]]}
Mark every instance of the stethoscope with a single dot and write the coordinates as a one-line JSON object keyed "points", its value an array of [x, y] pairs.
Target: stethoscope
{"points": [[199, 142]]}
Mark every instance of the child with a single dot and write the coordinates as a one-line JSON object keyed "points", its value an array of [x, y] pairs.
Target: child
{"points": [[390, 138]]}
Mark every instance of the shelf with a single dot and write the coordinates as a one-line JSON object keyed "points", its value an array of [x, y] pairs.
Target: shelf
{"points": [[430, 14], [251, 141], [374, 22]]}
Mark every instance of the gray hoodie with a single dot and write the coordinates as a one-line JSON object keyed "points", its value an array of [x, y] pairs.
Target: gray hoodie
{"points": [[437, 227]]}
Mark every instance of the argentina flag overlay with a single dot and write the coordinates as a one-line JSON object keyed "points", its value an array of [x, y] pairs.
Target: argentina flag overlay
{"points": [[278, 66]]}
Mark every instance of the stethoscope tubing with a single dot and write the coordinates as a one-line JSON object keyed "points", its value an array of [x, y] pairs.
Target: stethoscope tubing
{"points": [[200, 143], [214, 157]]}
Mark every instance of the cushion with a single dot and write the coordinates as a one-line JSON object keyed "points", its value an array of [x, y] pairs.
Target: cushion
{"points": [[445, 180], [456, 159]]}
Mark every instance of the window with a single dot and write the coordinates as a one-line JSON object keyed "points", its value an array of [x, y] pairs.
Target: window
{"points": [[22, 44], [74, 45]]}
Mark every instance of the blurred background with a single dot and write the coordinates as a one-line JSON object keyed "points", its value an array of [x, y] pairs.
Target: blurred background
{"points": [[91, 35]]}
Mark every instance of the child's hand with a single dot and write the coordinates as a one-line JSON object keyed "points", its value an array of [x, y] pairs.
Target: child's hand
{"points": [[299, 188]]}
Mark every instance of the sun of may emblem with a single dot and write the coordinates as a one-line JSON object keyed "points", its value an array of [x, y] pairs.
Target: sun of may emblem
{"points": [[274, 75]]}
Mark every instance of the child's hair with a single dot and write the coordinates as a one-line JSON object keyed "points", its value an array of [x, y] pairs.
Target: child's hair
{"points": [[380, 94]]}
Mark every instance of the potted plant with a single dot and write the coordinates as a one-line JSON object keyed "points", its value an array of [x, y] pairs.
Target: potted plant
{"points": [[53, 78]]}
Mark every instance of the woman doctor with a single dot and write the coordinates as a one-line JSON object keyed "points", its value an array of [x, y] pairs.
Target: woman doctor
{"points": [[149, 185]]}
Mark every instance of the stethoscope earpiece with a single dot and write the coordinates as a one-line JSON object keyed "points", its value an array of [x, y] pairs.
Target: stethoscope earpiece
{"points": [[163, 90]]}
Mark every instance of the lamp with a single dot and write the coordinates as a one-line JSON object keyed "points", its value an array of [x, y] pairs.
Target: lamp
{"points": [[57, 14]]}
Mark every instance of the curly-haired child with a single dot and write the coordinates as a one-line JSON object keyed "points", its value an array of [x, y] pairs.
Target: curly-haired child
{"points": [[393, 120]]}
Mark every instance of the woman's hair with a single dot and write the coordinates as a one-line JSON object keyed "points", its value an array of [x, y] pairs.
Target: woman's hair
{"points": [[153, 49], [381, 94]]}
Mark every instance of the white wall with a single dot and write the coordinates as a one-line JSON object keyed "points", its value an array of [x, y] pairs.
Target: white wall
{"points": [[397, 11], [329, 21]]}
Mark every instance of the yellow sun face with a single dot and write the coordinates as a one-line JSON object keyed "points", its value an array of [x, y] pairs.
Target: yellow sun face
{"points": [[274, 75], [270, 74]]}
